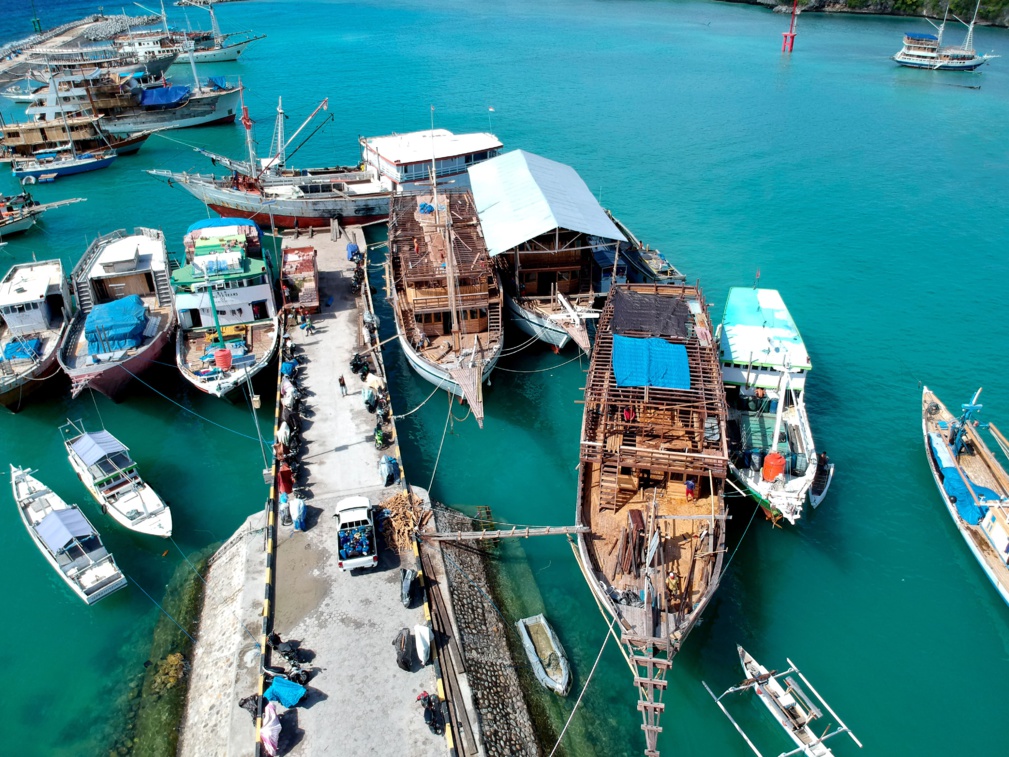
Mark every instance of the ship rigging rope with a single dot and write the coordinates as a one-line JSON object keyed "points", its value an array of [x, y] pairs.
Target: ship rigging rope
{"points": [[542, 370], [444, 433], [101, 420], [192, 412], [588, 680]]}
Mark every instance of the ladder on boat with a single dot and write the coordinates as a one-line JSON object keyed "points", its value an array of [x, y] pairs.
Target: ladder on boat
{"points": [[650, 679]]}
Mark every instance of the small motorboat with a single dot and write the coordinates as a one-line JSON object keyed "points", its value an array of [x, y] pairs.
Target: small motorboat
{"points": [[545, 653], [66, 538]]}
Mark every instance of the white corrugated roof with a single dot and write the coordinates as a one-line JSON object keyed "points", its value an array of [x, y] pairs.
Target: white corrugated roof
{"points": [[520, 196], [29, 282], [417, 146]]}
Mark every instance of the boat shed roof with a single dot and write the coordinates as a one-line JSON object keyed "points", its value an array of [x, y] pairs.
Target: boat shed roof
{"points": [[520, 196], [60, 527], [93, 446], [757, 328]]}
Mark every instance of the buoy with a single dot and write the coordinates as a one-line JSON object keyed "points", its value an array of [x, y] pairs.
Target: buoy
{"points": [[774, 466], [222, 359]]}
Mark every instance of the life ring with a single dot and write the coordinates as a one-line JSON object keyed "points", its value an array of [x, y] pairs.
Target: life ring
{"points": [[28, 180]]}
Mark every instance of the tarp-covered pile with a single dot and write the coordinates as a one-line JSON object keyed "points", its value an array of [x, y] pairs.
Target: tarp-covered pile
{"points": [[116, 325], [164, 97], [24, 349], [650, 362], [955, 487]]}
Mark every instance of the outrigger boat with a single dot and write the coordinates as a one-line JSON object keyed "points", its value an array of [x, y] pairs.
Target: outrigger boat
{"points": [[791, 706], [446, 301], [126, 315], [66, 538], [972, 482], [545, 653], [104, 466], [228, 327], [35, 308], [764, 369], [926, 50], [653, 463], [18, 213]]}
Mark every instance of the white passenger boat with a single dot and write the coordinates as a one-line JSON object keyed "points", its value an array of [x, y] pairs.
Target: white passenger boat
{"points": [[228, 326], [764, 369], [927, 51], [66, 539], [790, 705], [545, 653], [972, 482], [104, 466]]}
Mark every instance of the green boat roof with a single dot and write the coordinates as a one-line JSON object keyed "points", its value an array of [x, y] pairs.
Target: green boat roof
{"points": [[757, 328], [223, 243], [184, 278]]}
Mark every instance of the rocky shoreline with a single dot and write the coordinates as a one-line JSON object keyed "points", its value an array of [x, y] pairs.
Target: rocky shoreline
{"points": [[933, 10]]}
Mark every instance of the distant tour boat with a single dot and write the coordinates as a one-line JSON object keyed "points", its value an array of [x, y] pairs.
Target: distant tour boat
{"points": [[66, 539], [927, 51], [764, 370], [973, 484], [104, 466], [545, 653]]}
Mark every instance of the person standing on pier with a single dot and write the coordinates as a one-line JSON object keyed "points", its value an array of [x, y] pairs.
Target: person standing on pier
{"points": [[343, 387]]}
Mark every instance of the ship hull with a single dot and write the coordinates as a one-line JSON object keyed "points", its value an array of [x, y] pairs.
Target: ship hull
{"points": [[205, 111], [15, 396], [112, 379]]}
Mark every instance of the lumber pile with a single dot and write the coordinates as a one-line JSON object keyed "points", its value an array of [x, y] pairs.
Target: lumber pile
{"points": [[405, 515]]}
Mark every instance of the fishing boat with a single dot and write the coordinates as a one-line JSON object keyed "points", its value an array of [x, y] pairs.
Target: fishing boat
{"points": [[446, 301], [66, 538], [972, 482], [543, 227], [51, 164], [227, 314], [35, 307], [104, 466], [653, 462], [31, 140], [790, 705], [19, 213], [927, 51], [126, 316], [545, 653], [765, 365]]}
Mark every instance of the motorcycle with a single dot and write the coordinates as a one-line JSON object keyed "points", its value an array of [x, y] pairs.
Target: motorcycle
{"points": [[381, 442], [432, 712]]}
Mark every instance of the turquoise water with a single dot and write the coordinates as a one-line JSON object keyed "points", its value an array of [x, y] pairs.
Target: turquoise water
{"points": [[873, 197]]}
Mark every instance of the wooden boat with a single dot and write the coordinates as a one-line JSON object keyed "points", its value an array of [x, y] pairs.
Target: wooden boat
{"points": [[228, 326], [765, 367], [126, 315], [545, 653], [446, 301], [927, 51], [207, 46], [66, 538], [790, 705], [55, 163], [104, 466], [18, 213], [972, 482], [653, 462], [35, 308]]}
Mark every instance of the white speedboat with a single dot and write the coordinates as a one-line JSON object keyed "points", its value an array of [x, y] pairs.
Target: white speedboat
{"points": [[66, 539], [973, 484], [764, 369], [104, 466]]}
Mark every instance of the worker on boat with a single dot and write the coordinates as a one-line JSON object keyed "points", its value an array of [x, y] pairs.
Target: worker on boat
{"points": [[691, 487]]}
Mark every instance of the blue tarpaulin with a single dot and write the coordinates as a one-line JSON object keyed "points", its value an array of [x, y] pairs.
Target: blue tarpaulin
{"points": [[650, 362], [26, 349], [218, 82], [164, 97], [116, 325], [288, 693], [955, 488]]}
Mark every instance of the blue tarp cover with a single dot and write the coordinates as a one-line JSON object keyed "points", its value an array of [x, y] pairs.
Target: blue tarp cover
{"points": [[954, 486], [915, 35], [164, 97], [650, 362], [288, 693], [218, 82], [26, 349], [216, 223], [116, 325], [60, 527]]}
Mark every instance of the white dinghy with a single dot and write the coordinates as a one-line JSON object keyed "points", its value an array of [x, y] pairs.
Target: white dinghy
{"points": [[545, 653]]}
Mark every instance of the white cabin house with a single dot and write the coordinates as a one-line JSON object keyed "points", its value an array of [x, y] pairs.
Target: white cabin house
{"points": [[402, 162]]}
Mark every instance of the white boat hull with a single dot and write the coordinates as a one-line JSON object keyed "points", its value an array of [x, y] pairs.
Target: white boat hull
{"points": [[222, 386], [435, 375], [222, 110], [534, 325]]}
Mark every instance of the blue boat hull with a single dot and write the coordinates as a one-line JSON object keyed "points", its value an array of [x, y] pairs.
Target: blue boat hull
{"points": [[92, 165]]}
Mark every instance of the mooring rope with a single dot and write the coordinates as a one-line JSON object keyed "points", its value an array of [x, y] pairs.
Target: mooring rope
{"points": [[404, 415], [542, 370], [133, 581], [441, 446]]}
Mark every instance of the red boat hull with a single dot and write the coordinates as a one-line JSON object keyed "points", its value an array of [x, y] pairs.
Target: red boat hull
{"points": [[292, 222]]}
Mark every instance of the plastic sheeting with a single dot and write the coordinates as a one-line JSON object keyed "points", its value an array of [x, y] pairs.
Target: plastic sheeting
{"points": [[288, 693], [651, 314], [954, 485], [164, 97], [269, 733], [116, 325], [650, 362], [25, 349]]}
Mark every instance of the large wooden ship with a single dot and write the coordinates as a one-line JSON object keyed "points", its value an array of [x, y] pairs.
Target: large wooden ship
{"points": [[447, 300], [653, 462]]}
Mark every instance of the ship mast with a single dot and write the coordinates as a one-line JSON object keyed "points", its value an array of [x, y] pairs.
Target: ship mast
{"points": [[451, 284]]}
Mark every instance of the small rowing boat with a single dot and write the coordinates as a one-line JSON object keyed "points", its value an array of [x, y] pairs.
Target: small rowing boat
{"points": [[66, 539], [545, 653]]}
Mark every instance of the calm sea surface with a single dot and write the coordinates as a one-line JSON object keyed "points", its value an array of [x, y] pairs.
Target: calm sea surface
{"points": [[873, 197]]}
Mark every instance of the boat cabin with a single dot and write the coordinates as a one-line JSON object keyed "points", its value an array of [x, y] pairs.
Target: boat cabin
{"points": [[108, 462], [403, 161], [33, 297]]}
